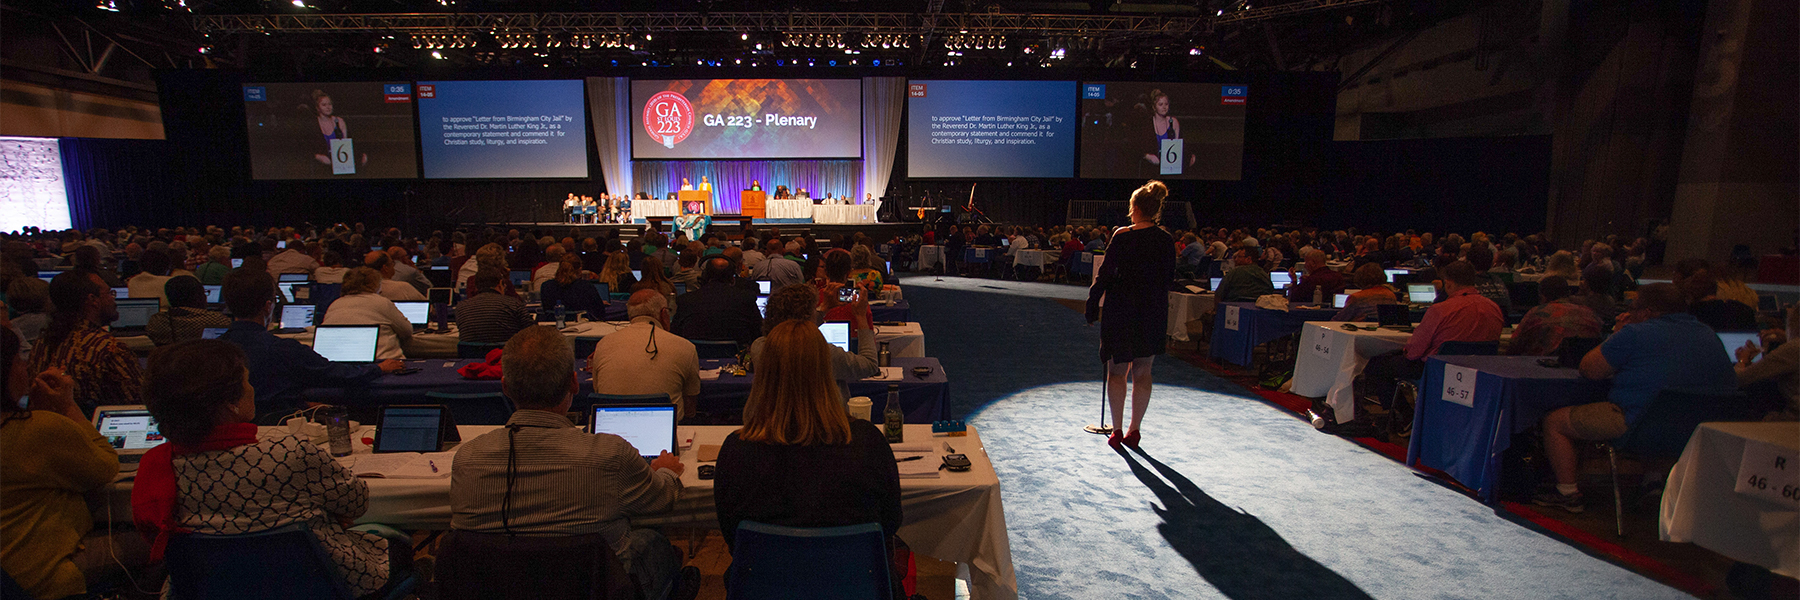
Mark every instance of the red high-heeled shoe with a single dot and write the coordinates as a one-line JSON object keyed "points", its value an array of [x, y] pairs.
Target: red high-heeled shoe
{"points": [[1116, 438], [1132, 439]]}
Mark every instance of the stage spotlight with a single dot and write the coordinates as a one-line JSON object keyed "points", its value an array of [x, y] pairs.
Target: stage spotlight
{"points": [[648, 38], [437, 55], [744, 36]]}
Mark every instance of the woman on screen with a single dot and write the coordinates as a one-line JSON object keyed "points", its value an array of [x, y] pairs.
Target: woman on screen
{"points": [[1165, 127], [331, 127]]}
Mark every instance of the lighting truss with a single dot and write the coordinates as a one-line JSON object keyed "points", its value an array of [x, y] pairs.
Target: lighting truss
{"points": [[1287, 9], [899, 24]]}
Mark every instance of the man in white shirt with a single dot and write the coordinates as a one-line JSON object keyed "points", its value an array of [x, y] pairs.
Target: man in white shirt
{"points": [[291, 260], [552, 258], [644, 358], [405, 272], [390, 289]]}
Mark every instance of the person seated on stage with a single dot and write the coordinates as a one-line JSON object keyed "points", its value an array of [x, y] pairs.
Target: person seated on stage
{"points": [[782, 193], [331, 268], [1374, 292], [793, 418], [216, 476], [397, 291], [363, 304], [1246, 281], [1464, 315], [488, 315], [1544, 327], [1709, 308], [640, 359], [716, 309], [1779, 366], [617, 272], [187, 314], [104, 370], [543, 476], [1326, 279], [801, 303], [1662, 347], [780, 270], [864, 273]]}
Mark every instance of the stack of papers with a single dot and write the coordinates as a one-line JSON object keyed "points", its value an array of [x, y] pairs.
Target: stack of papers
{"points": [[887, 374], [925, 467], [709, 374], [400, 465]]}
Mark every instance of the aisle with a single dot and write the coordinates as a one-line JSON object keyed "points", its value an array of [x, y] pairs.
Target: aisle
{"points": [[1241, 500]]}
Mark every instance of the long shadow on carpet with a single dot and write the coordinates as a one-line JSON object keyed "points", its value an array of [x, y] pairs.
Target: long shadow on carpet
{"points": [[1234, 551]]}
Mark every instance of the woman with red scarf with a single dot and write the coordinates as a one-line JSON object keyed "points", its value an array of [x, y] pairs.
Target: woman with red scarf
{"points": [[216, 476]]}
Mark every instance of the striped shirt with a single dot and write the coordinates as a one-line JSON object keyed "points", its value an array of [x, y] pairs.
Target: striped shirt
{"points": [[105, 372], [490, 318]]}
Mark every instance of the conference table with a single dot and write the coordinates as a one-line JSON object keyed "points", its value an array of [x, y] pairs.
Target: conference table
{"points": [[1470, 407], [1184, 307], [641, 209], [788, 209], [843, 214], [1330, 358], [898, 310], [955, 517], [1034, 258], [929, 256], [1239, 327], [1710, 501]]}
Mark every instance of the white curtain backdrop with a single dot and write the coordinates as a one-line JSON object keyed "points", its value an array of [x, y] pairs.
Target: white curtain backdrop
{"points": [[609, 99], [883, 100]]}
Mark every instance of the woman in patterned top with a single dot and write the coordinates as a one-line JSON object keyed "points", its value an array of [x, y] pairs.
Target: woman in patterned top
{"points": [[863, 273], [217, 476]]}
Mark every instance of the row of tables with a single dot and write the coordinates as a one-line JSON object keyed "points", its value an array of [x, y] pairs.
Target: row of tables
{"points": [[830, 214]]}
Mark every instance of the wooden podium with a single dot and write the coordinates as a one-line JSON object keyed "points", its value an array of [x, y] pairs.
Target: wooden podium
{"points": [[752, 204], [704, 197]]}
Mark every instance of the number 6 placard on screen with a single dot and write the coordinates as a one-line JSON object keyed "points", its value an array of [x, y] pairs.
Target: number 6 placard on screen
{"points": [[343, 157], [1171, 157]]}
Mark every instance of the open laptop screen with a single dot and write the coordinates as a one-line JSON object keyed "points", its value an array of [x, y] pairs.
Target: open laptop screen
{"points": [[121, 293], [1392, 273], [297, 315], [134, 313], [837, 334], [1281, 279], [213, 293], [1736, 339], [212, 333], [292, 278], [417, 312], [346, 343], [648, 427], [1340, 300], [1215, 283], [765, 287], [1421, 293], [128, 429], [762, 305]]}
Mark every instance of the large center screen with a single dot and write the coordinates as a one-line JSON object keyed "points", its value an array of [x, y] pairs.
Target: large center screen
{"points": [[1141, 130], [746, 118], [990, 128], [330, 130], [493, 129]]}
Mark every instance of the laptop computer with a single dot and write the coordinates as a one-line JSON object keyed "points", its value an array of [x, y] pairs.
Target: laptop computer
{"points": [[214, 293], [762, 305], [212, 333], [1421, 293], [237, 262], [1392, 273], [1394, 316], [131, 430], [295, 318], [1214, 283], [134, 315], [837, 333], [649, 427], [417, 312], [638, 275], [121, 293], [287, 291], [346, 343], [1281, 279], [519, 279], [441, 296], [1736, 339], [1340, 300], [765, 287], [292, 278]]}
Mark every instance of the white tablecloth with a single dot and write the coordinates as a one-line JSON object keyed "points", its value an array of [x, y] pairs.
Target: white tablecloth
{"points": [[655, 208], [1331, 358], [956, 517], [843, 214], [788, 209], [1034, 258], [905, 340], [930, 256], [1184, 308], [1699, 503]]}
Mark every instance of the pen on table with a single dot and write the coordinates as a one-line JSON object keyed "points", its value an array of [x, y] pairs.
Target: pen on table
{"points": [[433, 464], [908, 458]]}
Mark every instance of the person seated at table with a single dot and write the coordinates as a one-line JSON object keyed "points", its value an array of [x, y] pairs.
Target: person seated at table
{"points": [[50, 459], [1777, 368], [543, 476], [782, 193], [405, 271], [801, 303], [654, 280], [1481, 256], [572, 288], [1246, 281], [640, 359], [1373, 291], [281, 369], [104, 370], [215, 476], [1706, 305], [293, 260], [1544, 327], [800, 460], [1328, 281], [778, 269], [1464, 315], [617, 273], [1662, 347], [397, 291], [331, 268], [1193, 252], [488, 315], [362, 304], [30, 297], [148, 283], [186, 316], [1592, 294], [716, 309], [863, 272]]}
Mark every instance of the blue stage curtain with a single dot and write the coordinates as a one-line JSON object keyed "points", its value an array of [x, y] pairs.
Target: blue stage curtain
{"points": [[728, 177], [117, 182]]}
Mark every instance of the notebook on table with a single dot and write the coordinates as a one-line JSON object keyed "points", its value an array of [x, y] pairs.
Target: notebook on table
{"points": [[346, 343], [131, 430]]}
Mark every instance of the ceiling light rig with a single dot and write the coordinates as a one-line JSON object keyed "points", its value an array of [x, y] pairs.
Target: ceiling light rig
{"points": [[886, 41], [812, 40], [435, 41], [975, 42]]}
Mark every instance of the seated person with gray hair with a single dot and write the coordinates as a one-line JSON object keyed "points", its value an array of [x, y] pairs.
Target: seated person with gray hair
{"points": [[645, 358], [543, 476]]}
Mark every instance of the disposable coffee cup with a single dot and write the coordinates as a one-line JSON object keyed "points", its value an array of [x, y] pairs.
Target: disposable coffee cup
{"points": [[862, 408]]}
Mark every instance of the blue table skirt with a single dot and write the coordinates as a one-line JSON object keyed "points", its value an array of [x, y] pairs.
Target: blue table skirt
{"points": [[1257, 326], [1512, 394], [900, 311], [924, 400]]}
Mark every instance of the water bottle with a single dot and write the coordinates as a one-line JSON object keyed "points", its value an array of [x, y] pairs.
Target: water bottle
{"points": [[884, 357], [337, 428], [562, 319], [1318, 295], [893, 420]]}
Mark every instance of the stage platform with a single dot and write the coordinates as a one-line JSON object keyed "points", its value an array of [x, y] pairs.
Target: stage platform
{"points": [[787, 227]]}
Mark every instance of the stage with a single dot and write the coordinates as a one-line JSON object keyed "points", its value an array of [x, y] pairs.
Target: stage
{"points": [[787, 227]]}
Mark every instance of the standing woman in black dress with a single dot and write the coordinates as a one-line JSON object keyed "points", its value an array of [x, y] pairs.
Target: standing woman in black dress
{"points": [[1134, 281]]}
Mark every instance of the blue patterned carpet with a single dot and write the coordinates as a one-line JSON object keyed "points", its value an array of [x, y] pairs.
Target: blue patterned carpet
{"points": [[1231, 497]]}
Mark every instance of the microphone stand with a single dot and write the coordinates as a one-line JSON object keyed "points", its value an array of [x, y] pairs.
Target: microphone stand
{"points": [[1101, 428]]}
